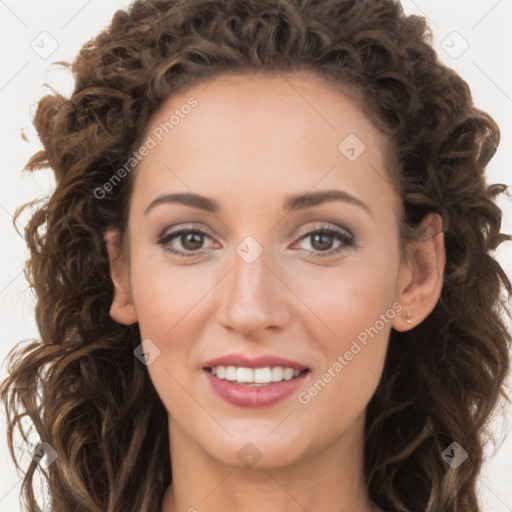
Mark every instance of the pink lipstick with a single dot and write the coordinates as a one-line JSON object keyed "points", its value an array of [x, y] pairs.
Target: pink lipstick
{"points": [[254, 382]]}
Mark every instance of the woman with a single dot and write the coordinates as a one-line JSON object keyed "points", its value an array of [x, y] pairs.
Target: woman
{"points": [[265, 278]]}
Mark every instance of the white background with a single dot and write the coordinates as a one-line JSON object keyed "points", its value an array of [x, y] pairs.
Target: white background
{"points": [[30, 26]]}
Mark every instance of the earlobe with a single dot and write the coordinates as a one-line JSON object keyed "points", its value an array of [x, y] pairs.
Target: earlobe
{"points": [[122, 309], [421, 280]]}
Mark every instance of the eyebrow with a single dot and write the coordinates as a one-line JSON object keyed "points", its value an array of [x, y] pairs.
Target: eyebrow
{"points": [[315, 198], [296, 202]]}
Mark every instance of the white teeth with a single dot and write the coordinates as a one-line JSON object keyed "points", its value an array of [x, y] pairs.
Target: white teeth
{"points": [[288, 373], [262, 375], [244, 375], [230, 373], [277, 374]]}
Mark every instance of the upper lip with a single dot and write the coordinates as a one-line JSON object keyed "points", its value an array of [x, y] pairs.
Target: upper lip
{"points": [[239, 360]]}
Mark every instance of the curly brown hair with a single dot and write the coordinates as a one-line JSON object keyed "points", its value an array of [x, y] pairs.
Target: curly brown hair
{"points": [[82, 388]]}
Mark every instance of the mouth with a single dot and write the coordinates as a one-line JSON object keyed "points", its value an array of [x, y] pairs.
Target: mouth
{"points": [[262, 370], [255, 376], [256, 382]]}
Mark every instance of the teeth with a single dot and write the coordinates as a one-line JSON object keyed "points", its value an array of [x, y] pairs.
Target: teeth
{"points": [[244, 375], [277, 374], [265, 375], [262, 375], [231, 373], [288, 373]]}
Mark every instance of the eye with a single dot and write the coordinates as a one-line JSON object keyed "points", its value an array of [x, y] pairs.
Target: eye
{"points": [[323, 238], [191, 240]]}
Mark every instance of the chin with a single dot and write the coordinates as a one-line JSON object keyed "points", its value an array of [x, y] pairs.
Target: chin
{"points": [[258, 447]]}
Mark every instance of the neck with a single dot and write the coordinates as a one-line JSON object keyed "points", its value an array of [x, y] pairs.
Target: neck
{"points": [[330, 480]]}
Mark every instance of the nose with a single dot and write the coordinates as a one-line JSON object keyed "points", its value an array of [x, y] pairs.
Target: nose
{"points": [[253, 298]]}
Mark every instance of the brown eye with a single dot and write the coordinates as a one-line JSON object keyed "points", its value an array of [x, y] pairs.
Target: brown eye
{"points": [[189, 241], [323, 239], [192, 241]]}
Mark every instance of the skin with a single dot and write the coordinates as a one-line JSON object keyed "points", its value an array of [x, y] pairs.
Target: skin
{"points": [[251, 141]]}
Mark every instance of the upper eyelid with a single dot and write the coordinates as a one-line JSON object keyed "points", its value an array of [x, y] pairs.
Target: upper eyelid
{"points": [[324, 225], [176, 232], [184, 227], [342, 229]]}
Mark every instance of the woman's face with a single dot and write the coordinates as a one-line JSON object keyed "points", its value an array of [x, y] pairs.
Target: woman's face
{"points": [[244, 269]]}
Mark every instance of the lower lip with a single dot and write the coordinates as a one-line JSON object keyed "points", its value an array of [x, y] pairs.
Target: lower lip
{"points": [[243, 395]]}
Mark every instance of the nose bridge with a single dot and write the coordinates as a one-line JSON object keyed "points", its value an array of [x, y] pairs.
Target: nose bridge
{"points": [[252, 300]]}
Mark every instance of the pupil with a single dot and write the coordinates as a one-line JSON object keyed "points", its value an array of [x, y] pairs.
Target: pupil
{"points": [[327, 241]]}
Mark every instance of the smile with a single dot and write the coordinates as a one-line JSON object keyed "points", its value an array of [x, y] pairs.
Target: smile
{"points": [[254, 395], [255, 376]]}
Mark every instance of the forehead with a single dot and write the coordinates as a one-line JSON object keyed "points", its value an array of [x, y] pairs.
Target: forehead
{"points": [[265, 102], [260, 128]]}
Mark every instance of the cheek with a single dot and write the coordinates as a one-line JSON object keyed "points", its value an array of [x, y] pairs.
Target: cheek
{"points": [[344, 301], [355, 309], [164, 295], [170, 312]]}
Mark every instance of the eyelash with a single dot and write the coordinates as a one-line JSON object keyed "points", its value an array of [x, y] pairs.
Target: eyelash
{"points": [[347, 239]]}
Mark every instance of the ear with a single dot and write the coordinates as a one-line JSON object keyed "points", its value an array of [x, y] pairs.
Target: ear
{"points": [[421, 276], [122, 309]]}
